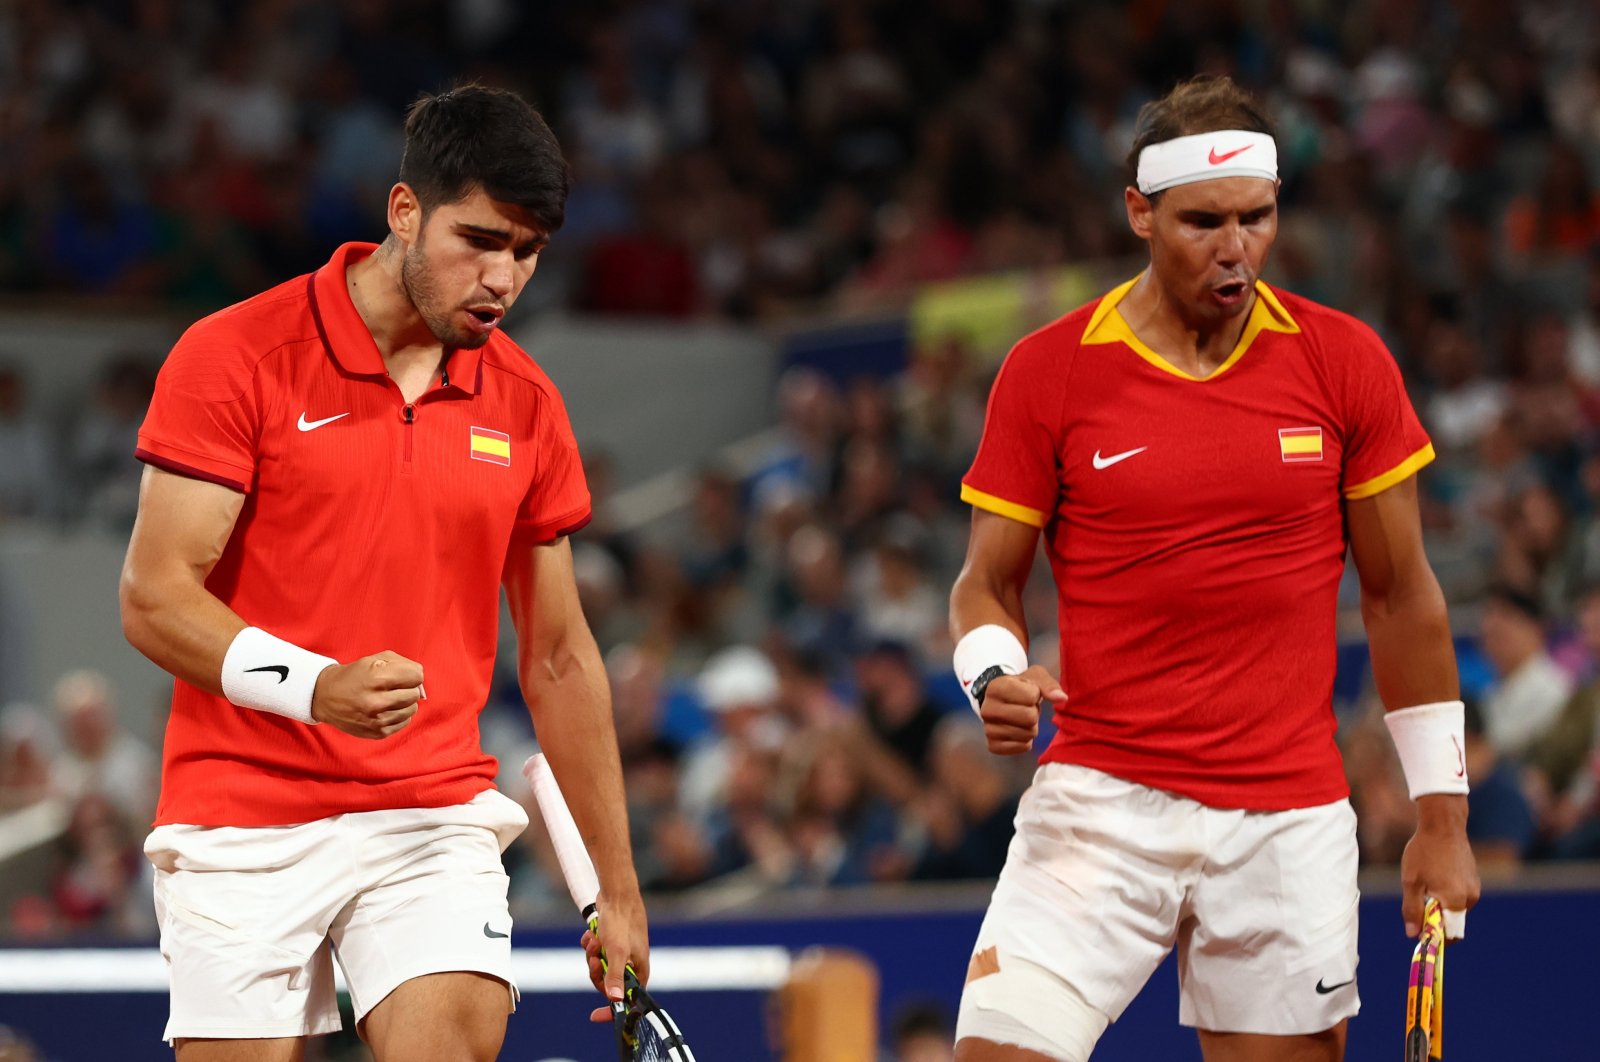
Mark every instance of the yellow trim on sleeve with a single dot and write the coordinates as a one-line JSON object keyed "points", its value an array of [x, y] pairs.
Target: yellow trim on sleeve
{"points": [[1379, 484], [1107, 325], [999, 506]]}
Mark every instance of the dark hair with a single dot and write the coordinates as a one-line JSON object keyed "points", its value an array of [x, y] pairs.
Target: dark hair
{"points": [[1516, 599], [920, 1018], [1199, 105], [471, 137]]}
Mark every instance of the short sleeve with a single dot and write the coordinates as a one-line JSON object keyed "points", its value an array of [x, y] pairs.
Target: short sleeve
{"points": [[558, 501], [1384, 442], [1015, 472], [204, 416]]}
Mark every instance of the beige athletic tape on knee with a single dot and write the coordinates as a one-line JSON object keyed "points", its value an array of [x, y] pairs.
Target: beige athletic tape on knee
{"points": [[1012, 1001]]}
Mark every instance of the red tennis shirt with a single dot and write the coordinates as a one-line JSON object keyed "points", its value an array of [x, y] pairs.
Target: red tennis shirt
{"points": [[367, 525], [1195, 529]]}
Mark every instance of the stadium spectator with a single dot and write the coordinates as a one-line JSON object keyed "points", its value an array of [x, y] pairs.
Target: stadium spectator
{"points": [[100, 756], [969, 807], [27, 476], [740, 687], [1500, 822], [1530, 689]]}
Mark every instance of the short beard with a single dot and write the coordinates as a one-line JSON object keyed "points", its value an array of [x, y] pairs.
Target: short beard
{"points": [[417, 283]]}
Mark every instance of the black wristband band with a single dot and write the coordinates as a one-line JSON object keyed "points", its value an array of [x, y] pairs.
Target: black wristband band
{"points": [[980, 685]]}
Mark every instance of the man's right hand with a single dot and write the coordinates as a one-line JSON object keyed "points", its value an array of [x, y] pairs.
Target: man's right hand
{"points": [[1010, 709], [372, 698]]}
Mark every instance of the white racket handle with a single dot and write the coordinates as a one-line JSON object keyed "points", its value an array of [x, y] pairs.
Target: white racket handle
{"points": [[570, 850]]}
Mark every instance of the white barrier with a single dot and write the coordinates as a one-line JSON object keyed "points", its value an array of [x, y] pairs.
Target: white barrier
{"points": [[91, 970]]}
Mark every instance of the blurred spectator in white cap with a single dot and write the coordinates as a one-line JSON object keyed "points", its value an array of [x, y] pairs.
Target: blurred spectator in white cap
{"points": [[740, 687], [27, 748], [100, 756]]}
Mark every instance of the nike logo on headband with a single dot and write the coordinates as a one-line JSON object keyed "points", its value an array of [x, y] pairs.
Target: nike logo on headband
{"points": [[1217, 160]]}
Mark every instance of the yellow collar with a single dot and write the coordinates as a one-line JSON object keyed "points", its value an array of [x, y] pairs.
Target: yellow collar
{"points": [[1106, 325]]}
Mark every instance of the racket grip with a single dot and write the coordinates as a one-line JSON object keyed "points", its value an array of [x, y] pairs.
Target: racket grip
{"points": [[571, 852]]}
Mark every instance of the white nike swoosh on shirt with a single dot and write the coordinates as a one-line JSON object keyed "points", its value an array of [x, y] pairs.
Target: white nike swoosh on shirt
{"points": [[1107, 462], [312, 425]]}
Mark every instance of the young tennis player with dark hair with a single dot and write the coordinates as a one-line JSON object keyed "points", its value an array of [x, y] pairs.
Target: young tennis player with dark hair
{"points": [[342, 474]]}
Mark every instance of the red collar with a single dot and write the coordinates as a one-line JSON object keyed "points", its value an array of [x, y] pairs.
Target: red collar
{"points": [[345, 334]]}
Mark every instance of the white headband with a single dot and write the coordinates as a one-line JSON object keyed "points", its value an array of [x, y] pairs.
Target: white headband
{"points": [[1186, 159]]}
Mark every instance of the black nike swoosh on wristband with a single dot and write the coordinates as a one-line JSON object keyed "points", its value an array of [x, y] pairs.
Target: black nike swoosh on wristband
{"points": [[283, 672]]}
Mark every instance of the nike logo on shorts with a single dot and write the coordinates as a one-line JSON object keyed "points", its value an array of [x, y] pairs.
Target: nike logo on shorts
{"points": [[492, 935], [312, 425], [1107, 462], [283, 672], [1323, 989]]}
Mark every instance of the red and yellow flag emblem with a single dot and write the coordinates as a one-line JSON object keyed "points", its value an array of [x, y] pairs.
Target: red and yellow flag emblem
{"points": [[1300, 444], [491, 446]]}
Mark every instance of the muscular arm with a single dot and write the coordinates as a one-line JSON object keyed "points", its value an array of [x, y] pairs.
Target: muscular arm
{"points": [[989, 590], [167, 612], [169, 615], [1402, 607], [1413, 662], [564, 682]]}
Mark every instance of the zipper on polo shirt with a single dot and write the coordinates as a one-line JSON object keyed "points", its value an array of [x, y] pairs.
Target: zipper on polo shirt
{"points": [[410, 414]]}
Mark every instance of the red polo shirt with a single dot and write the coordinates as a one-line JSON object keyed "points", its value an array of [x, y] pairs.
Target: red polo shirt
{"points": [[1196, 531], [367, 525]]}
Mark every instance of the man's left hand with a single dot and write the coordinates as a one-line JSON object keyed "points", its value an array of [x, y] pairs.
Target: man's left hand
{"points": [[1438, 860], [625, 938]]}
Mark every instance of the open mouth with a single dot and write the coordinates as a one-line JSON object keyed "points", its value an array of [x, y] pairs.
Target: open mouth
{"points": [[1231, 290], [484, 316]]}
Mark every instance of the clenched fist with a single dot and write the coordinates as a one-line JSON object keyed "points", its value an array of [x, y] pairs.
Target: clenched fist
{"points": [[1010, 709], [373, 697]]}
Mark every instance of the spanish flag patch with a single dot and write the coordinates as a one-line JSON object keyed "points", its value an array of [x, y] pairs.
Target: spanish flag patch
{"points": [[1300, 444], [491, 446]]}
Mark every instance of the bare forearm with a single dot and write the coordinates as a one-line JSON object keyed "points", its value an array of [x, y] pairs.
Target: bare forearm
{"points": [[180, 626], [976, 600], [1413, 657], [570, 702]]}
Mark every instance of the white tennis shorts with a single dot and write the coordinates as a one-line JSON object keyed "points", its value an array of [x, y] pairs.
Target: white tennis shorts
{"points": [[252, 918], [1105, 876]]}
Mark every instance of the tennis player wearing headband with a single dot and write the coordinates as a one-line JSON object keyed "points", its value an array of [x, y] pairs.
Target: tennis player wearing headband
{"points": [[1199, 449]]}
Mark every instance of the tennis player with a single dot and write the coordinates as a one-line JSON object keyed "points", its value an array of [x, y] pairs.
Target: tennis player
{"points": [[342, 474], [1199, 450]]}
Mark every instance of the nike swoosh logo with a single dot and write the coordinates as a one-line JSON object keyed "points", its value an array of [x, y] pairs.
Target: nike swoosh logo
{"points": [[283, 672], [1107, 462], [1323, 989], [313, 425], [492, 935], [1217, 160], [1461, 761]]}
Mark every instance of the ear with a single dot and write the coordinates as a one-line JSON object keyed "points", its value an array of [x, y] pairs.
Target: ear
{"points": [[1141, 212], [405, 214]]}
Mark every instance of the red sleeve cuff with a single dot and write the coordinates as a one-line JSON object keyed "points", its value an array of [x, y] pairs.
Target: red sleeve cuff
{"points": [[549, 530], [195, 466]]}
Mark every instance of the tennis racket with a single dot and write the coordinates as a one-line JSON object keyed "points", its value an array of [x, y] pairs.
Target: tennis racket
{"points": [[1425, 990], [645, 1032]]}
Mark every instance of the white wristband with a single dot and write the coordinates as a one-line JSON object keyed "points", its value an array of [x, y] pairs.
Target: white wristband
{"points": [[1432, 748], [981, 648], [271, 675]]}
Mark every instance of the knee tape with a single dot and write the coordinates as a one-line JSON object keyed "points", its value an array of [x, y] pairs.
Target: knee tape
{"points": [[1025, 1005]]}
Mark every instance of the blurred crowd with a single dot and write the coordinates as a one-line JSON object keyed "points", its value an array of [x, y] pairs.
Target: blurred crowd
{"points": [[778, 651]]}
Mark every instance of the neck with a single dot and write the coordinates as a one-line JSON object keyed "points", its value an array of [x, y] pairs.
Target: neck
{"points": [[379, 295], [1196, 345]]}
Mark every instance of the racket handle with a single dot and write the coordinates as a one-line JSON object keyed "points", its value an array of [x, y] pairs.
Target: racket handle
{"points": [[570, 850]]}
